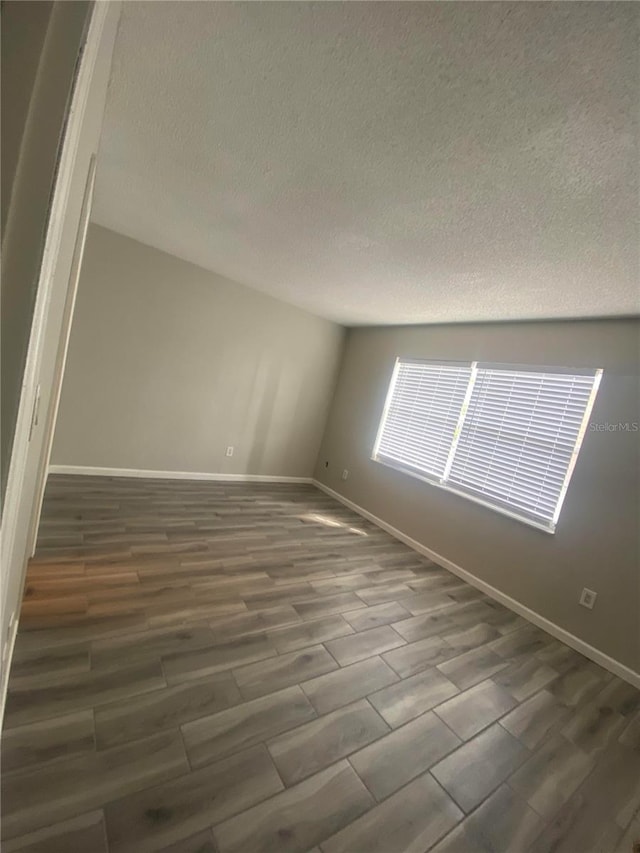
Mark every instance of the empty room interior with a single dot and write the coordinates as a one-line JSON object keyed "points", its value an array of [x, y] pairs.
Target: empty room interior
{"points": [[320, 427]]}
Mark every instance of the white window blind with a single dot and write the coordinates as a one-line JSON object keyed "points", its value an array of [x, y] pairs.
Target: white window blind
{"points": [[507, 436], [519, 438], [422, 413]]}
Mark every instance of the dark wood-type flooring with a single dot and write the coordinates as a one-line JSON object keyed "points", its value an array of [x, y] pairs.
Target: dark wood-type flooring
{"points": [[209, 667]]}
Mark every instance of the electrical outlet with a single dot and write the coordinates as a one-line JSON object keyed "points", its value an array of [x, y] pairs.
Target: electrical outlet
{"points": [[345, 474], [7, 640], [230, 450], [588, 598]]}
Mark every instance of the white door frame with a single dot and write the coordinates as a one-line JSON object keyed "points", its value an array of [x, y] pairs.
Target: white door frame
{"points": [[13, 551], [61, 359]]}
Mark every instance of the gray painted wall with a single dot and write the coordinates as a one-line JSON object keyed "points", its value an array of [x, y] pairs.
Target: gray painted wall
{"points": [[597, 541], [24, 28], [169, 364]]}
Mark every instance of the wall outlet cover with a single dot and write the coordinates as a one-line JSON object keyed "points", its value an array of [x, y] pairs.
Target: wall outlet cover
{"points": [[588, 598], [7, 641], [229, 450], [345, 474]]}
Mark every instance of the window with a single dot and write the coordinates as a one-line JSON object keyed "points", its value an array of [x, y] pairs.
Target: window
{"points": [[506, 436]]}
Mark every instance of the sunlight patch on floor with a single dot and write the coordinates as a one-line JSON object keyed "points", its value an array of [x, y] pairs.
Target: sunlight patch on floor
{"points": [[328, 521]]}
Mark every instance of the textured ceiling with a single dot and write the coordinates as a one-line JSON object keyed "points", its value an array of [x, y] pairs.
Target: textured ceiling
{"points": [[384, 162]]}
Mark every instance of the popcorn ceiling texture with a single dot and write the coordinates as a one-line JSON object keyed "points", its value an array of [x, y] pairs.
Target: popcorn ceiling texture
{"points": [[384, 162]]}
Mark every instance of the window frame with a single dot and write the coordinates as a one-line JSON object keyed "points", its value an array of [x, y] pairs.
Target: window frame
{"points": [[442, 483]]}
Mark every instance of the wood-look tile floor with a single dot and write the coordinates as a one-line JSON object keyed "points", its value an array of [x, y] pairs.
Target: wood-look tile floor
{"points": [[251, 668]]}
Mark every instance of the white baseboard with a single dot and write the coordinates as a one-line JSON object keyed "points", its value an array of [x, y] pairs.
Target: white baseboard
{"points": [[556, 631], [84, 470]]}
